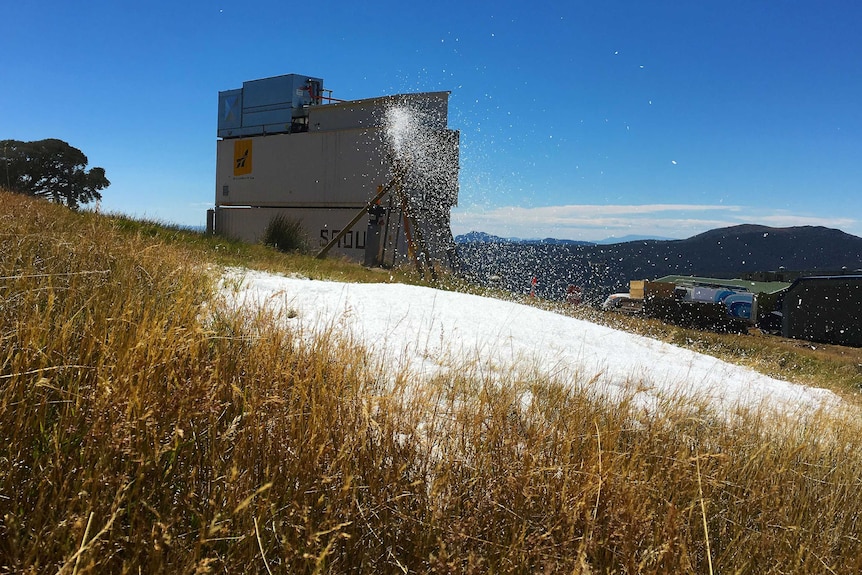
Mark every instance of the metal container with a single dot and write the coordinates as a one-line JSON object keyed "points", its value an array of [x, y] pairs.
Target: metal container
{"points": [[268, 106], [319, 226], [283, 152], [313, 169]]}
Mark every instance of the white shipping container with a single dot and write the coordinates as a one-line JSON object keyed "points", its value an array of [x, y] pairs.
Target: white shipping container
{"points": [[311, 169], [324, 170]]}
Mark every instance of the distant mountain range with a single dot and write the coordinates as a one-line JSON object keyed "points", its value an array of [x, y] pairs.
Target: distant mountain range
{"points": [[604, 268], [482, 237], [623, 239]]}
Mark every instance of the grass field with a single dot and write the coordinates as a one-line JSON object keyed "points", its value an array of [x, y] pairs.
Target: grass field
{"points": [[146, 429]]}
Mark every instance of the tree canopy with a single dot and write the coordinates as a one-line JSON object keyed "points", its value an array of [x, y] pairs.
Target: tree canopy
{"points": [[50, 169]]}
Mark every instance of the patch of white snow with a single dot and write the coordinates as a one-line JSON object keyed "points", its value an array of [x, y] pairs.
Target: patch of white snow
{"points": [[429, 331]]}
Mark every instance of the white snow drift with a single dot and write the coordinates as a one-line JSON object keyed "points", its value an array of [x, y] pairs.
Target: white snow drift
{"points": [[430, 332]]}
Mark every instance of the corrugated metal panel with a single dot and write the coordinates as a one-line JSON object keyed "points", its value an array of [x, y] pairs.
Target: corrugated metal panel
{"points": [[434, 107], [752, 286], [267, 106], [320, 225], [287, 91], [325, 169]]}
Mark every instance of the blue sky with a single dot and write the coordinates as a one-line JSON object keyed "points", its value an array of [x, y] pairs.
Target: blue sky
{"points": [[578, 120]]}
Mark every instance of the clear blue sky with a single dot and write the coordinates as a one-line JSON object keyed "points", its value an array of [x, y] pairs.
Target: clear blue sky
{"points": [[578, 120]]}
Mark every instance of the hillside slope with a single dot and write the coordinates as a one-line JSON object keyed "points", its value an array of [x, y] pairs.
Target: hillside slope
{"points": [[726, 252], [146, 428]]}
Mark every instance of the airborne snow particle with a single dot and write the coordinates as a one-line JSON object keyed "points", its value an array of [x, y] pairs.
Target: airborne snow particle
{"points": [[673, 162]]}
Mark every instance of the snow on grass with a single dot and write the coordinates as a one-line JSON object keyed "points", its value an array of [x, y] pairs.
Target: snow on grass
{"points": [[430, 332]]}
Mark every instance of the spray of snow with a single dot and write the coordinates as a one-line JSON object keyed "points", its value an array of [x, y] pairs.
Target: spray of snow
{"points": [[422, 148], [425, 159], [403, 132]]}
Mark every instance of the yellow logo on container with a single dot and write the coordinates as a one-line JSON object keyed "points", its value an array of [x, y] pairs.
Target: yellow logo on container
{"points": [[241, 157]]}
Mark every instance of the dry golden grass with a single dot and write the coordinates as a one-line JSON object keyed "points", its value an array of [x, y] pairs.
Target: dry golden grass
{"points": [[145, 429]]}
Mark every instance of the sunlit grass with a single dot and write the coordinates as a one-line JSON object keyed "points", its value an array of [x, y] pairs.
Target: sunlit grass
{"points": [[144, 428]]}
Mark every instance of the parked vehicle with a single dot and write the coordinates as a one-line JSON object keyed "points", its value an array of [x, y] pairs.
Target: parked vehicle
{"points": [[694, 304], [622, 302]]}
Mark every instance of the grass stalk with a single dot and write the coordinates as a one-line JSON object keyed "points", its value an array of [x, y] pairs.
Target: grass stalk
{"points": [[601, 475], [83, 544], [260, 546], [703, 513]]}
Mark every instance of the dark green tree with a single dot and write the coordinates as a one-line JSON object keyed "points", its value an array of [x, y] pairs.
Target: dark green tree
{"points": [[50, 169]]}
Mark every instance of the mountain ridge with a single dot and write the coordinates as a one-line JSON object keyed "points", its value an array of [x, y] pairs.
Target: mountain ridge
{"points": [[601, 269], [477, 236]]}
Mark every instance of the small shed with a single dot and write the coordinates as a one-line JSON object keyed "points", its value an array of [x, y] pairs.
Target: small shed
{"points": [[825, 309]]}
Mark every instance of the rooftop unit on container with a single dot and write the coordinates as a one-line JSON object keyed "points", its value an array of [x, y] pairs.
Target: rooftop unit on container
{"points": [[277, 105]]}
